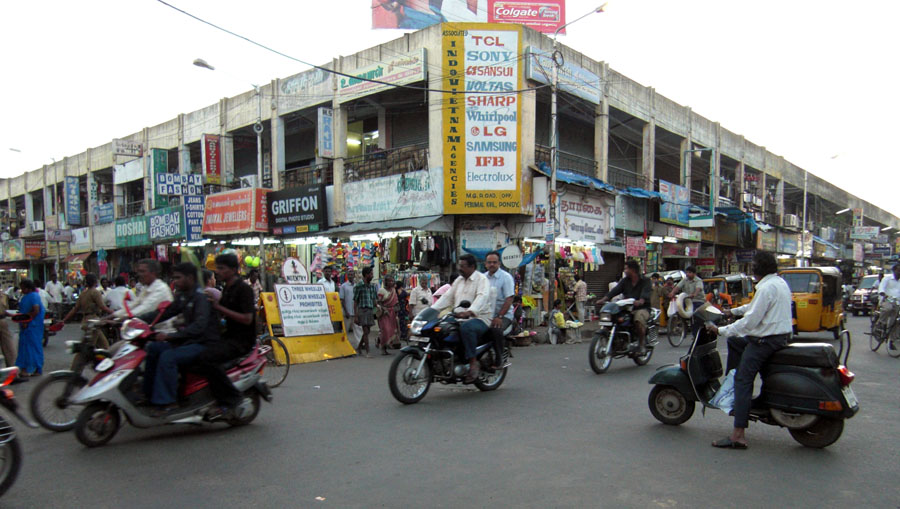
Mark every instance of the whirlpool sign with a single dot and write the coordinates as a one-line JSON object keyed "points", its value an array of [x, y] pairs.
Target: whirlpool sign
{"points": [[297, 210]]}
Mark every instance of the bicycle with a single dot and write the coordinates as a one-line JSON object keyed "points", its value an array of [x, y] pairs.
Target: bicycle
{"points": [[889, 332], [278, 360]]}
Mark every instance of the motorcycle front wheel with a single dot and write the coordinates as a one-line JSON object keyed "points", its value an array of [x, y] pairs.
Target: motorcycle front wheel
{"points": [[598, 355], [49, 401], [10, 463], [406, 387], [97, 424]]}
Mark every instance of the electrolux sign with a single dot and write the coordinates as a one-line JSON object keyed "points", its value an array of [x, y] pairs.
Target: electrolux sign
{"points": [[297, 210]]}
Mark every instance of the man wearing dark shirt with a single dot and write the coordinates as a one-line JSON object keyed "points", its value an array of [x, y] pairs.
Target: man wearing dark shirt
{"points": [[198, 329], [637, 287], [239, 310]]}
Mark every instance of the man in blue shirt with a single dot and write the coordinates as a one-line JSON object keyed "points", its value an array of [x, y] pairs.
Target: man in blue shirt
{"points": [[503, 290]]}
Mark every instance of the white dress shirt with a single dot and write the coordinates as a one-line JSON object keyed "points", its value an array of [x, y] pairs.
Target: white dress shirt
{"points": [[890, 286], [55, 290], [116, 296], [475, 289], [346, 294], [329, 285], [768, 314], [503, 287], [148, 300], [415, 299]]}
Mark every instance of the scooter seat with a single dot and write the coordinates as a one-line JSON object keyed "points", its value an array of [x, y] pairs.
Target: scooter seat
{"points": [[234, 362], [813, 355]]}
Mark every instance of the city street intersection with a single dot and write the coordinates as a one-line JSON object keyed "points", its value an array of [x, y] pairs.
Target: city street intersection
{"points": [[555, 435]]}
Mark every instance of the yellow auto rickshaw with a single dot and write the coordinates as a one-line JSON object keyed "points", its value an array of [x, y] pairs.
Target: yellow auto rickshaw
{"points": [[816, 292], [733, 290]]}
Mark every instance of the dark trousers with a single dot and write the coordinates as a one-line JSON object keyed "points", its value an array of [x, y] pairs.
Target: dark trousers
{"points": [[209, 365], [747, 355], [161, 370], [499, 339], [469, 332]]}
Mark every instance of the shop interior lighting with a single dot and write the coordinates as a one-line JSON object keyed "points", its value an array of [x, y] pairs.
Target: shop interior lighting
{"points": [[886, 228], [534, 241], [253, 241], [783, 257], [354, 142], [843, 211], [654, 239], [306, 240], [670, 240]]}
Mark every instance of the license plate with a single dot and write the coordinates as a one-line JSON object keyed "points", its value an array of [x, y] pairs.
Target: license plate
{"points": [[418, 339], [850, 397], [604, 324]]}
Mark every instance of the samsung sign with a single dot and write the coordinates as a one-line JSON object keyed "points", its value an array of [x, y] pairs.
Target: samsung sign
{"points": [[297, 210]]}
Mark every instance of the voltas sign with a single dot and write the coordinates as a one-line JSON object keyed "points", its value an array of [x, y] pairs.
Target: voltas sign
{"points": [[482, 139]]}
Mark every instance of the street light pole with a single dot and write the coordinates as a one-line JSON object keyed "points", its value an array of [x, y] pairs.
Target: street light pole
{"points": [[802, 262], [554, 146]]}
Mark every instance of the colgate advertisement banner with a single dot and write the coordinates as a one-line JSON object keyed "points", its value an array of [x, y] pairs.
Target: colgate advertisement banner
{"points": [[212, 158], [233, 212], [544, 15]]}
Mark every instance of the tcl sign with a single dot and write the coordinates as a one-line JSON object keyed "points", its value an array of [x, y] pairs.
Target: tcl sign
{"points": [[544, 16]]}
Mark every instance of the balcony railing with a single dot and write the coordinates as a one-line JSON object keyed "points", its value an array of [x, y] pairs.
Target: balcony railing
{"points": [[699, 198], [134, 208], [622, 178], [383, 163], [772, 218], [567, 161], [308, 175]]}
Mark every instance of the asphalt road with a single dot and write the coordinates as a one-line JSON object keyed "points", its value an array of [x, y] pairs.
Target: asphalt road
{"points": [[555, 435]]}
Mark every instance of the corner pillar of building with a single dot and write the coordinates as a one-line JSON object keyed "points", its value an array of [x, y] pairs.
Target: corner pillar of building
{"points": [[648, 153], [716, 171], [340, 152], [601, 128], [686, 145], [382, 128]]}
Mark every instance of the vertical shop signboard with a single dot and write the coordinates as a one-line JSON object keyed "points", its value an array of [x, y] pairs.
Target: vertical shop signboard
{"points": [[193, 217], [159, 164], [480, 132], [676, 205], [73, 202], [325, 134], [212, 158]]}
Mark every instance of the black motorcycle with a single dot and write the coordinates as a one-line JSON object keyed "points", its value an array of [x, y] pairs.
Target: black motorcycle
{"points": [[804, 386], [436, 354], [615, 336], [10, 449]]}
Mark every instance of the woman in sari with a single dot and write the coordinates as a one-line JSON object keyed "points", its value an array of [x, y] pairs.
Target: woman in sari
{"points": [[31, 354], [387, 322]]}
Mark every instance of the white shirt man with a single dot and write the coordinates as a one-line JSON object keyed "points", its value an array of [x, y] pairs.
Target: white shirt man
{"points": [[890, 285], [503, 288], [476, 289], [116, 296], [55, 289], [768, 314], [69, 293], [354, 331], [417, 295], [147, 300]]}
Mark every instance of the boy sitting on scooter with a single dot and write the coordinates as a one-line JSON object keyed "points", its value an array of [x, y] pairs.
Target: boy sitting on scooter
{"points": [[168, 352]]}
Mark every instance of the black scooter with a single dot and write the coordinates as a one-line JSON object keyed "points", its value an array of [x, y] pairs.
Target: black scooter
{"points": [[805, 388]]}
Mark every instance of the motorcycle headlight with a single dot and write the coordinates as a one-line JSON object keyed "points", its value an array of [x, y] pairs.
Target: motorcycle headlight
{"points": [[104, 365], [605, 317], [416, 327], [71, 346]]}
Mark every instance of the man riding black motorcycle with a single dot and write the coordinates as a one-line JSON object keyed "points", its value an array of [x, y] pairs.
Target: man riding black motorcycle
{"points": [[765, 328], [634, 286], [198, 329], [474, 287]]}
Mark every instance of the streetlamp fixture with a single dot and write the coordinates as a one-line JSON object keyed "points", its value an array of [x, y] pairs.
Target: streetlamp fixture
{"points": [[554, 141], [842, 211], [258, 129]]}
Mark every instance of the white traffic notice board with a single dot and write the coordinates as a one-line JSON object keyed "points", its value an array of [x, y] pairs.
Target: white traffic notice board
{"points": [[304, 310]]}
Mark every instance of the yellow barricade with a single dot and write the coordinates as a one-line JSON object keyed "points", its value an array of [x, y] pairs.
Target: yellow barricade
{"points": [[311, 348]]}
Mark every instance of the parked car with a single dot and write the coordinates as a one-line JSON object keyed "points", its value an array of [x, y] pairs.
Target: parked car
{"points": [[865, 298]]}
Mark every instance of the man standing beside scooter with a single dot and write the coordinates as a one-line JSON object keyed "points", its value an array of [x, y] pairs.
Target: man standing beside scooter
{"points": [[764, 329]]}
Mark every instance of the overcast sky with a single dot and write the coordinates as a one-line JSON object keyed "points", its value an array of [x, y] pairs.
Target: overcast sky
{"points": [[809, 80]]}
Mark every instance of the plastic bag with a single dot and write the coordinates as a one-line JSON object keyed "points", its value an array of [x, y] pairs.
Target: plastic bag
{"points": [[724, 398], [673, 309]]}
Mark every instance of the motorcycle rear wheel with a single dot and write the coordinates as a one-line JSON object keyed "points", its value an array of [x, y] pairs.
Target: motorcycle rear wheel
{"points": [[10, 463], [598, 355], [490, 381], [642, 360], [669, 406], [251, 401], [48, 403], [400, 379], [97, 424], [821, 434]]}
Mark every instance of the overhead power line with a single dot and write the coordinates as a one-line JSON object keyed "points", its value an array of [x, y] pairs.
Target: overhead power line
{"points": [[339, 73]]}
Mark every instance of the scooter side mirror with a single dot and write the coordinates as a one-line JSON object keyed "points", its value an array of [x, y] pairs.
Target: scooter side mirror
{"points": [[163, 305], [465, 304]]}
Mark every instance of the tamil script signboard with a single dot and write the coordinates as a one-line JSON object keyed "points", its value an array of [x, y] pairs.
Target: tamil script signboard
{"points": [[482, 163], [238, 211], [304, 310], [126, 148], [585, 218], [865, 232], [395, 70]]}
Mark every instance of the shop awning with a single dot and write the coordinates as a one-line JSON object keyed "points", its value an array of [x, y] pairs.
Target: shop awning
{"points": [[437, 224], [824, 242], [78, 257], [21, 264], [570, 177]]}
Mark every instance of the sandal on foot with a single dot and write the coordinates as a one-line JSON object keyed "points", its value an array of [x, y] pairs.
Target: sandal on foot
{"points": [[728, 443]]}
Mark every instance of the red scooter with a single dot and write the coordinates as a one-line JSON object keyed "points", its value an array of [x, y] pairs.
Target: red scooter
{"points": [[116, 389]]}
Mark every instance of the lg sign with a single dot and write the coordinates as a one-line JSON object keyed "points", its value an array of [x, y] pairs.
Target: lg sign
{"points": [[544, 16]]}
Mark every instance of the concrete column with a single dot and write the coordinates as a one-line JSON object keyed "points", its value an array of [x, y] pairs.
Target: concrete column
{"points": [[226, 143], [648, 154], [383, 128], [686, 162], [148, 171], [739, 181], [601, 128], [340, 152], [278, 153], [779, 200], [716, 162], [184, 152]]}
